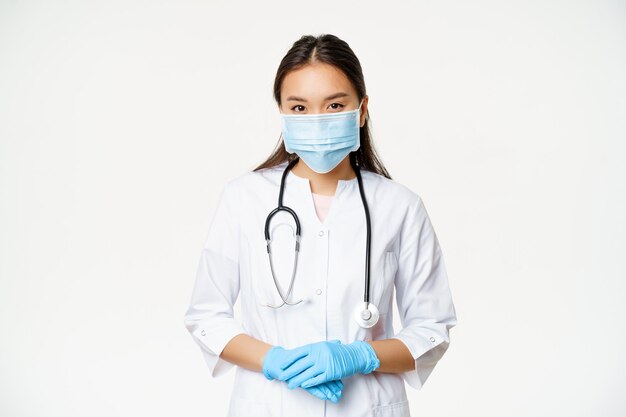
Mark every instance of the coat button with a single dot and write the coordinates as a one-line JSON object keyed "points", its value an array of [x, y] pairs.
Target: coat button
{"points": [[321, 233], [318, 291], [203, 333]]}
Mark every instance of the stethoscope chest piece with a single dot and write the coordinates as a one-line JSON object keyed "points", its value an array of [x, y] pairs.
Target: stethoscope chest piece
{"points": [[366, 314]]}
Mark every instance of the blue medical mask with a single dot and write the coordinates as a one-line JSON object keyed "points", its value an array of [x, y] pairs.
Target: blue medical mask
{"points": [[322, 140]]}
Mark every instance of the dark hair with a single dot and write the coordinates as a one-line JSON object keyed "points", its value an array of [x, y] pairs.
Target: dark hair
{"points": [[331, 50]]}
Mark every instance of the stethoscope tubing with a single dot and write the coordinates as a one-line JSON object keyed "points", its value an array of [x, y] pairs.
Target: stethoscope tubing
{"points": [[282, 207]]}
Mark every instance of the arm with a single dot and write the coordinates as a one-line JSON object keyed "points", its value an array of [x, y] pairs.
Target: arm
{"points": [[209, 317], [246, 351], [393, 355], [423, 296], [426, 313]]}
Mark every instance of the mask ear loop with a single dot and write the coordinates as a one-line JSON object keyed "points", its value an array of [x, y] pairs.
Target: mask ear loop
{"points": [[359, 117]]}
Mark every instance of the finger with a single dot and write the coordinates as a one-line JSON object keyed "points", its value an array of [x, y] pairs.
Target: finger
{"points": [[316, 380], [327, 391], [288, 357], [297, 380], [296, 368], [335, 387], [316, 391]]}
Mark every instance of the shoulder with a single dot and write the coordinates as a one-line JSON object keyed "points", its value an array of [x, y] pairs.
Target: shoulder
{"points": [[391, 190], [252, 182], [256, 178]]}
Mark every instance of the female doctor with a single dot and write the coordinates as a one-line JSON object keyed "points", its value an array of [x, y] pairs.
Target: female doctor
{"points": [[314, 241]]}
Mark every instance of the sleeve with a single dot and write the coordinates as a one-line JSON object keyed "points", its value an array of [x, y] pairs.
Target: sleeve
{"points": [[423, 295], [209, 317]]}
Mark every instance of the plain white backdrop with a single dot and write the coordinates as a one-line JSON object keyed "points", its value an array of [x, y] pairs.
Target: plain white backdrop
{"points": [[121, 120]]}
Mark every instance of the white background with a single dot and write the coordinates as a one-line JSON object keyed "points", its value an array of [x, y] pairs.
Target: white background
{"points": [[121, 120]]}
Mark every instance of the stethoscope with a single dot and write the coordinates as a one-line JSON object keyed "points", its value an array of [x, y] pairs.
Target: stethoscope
{"points": [[365, 314]]}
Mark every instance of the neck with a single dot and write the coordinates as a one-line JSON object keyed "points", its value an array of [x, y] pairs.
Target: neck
{"points": [[325, 183]]}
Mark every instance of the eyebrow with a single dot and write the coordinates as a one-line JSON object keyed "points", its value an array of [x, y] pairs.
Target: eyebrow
{"points": [[333, 96]]}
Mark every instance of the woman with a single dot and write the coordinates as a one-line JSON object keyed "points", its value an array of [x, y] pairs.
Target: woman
{"points": [[306, 334]]}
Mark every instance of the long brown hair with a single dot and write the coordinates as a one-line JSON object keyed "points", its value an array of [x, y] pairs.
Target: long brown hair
{"points": [[331, 50]]}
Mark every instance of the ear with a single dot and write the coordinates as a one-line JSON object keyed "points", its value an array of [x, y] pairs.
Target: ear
{"points": [[363, 111]]}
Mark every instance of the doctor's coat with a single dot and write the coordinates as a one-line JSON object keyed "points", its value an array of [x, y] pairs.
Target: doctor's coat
{"points": [[405, 260]]}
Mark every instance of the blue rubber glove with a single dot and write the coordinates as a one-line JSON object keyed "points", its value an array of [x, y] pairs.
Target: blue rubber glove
{"points": [[330, 390], [278, 357], [317, 363]]}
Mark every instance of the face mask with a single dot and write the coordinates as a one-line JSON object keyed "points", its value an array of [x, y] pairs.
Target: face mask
{"points": [[322, 140]]}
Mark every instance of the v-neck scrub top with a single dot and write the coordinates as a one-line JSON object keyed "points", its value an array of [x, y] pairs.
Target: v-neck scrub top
{"points": [[322, 204], [405, 261]]}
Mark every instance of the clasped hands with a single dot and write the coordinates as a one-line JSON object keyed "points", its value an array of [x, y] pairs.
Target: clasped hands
{"points": [[319, 367]]}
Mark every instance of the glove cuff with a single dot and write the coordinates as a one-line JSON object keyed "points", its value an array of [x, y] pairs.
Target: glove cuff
{"points": [[266, 360], [370, 360]]}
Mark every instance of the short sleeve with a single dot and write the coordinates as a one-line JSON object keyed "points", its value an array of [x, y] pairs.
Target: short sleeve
{"points": [[423, 295], [209, 317]]}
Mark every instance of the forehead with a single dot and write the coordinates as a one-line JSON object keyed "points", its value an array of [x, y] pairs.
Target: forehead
{"points": [[315, 82]]}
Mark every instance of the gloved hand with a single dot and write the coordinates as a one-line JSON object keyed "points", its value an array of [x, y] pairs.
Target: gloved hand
{"points": [[317, 363], [277, 358], [330, 390]]}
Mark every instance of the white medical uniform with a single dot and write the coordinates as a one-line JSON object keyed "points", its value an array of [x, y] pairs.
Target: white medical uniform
{"points": [[405, 254]]}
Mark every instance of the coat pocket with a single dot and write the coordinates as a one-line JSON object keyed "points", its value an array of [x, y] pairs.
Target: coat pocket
{"points": [[243, 407], [399, 409]]}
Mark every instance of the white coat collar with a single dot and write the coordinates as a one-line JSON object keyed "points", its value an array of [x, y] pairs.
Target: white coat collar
{"points": [[304, 184], [346, 193]]}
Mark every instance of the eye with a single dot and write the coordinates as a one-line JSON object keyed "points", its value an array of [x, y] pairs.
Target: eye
{"points": [[297, 105], [339, 104]]}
